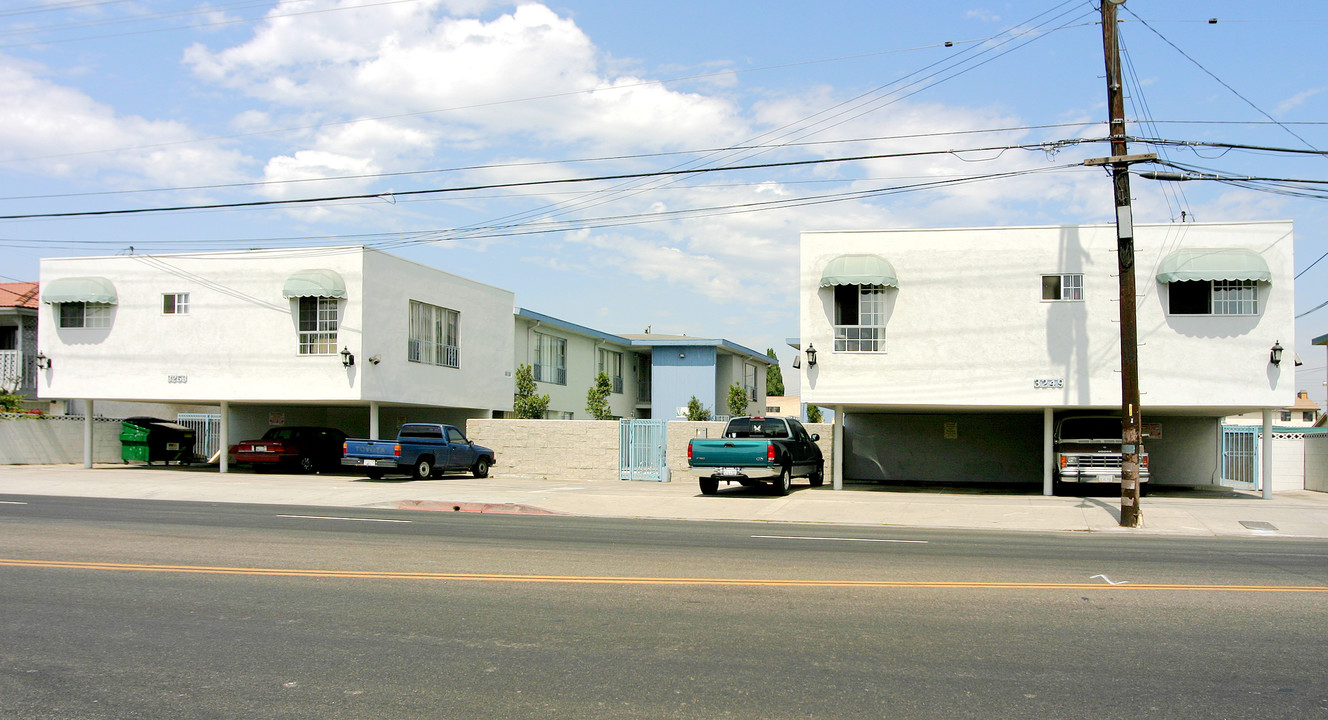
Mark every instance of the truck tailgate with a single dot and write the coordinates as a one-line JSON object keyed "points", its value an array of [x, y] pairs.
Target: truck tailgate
{"points": [[371, 448], [729, 453]]}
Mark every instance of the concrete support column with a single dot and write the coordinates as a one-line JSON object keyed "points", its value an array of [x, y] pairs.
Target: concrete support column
{"points": [[87, 433], [224, 438], [839, 447], [1048, 452], [1266, 453], [373, 420]]}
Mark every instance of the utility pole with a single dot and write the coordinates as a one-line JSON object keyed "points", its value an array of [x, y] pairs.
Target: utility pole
{"points": [[1131, 415]]}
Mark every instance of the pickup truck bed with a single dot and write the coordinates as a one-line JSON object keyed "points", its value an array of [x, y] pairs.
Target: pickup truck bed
{"points": [[757, 449], [423, 449]]}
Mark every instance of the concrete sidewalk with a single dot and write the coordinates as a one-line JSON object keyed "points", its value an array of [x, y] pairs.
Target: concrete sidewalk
{"points": [[1218, 512]]}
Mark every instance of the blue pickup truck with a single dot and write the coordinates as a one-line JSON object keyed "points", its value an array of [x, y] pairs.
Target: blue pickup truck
{"points": [[424, 450]]}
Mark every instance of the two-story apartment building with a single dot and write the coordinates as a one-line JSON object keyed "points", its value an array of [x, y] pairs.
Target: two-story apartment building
{"points": [[948, 354], [352, 338]]}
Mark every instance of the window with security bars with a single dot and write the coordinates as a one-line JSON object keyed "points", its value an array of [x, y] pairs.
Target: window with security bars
{"points": [[749, 380], [434, 335], [550, 359], [859, 318], [611, 363], [318, 325], [175, 304], [1065, 287], [1213, 297]]}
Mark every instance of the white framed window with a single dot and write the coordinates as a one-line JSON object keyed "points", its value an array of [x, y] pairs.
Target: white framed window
{"points": [[1066, 287], [434, 335], [175, 304], [559, 415], [318, 325], [1213, 297], [550, 359], [610, 363], [749, 380], [85, 315], [859, 318]]}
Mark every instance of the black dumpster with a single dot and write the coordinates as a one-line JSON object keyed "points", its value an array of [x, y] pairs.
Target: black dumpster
{"points": [[149, 439]]}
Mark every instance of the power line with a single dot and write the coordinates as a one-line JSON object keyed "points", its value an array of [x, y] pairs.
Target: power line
{"points": [[530, 183]]}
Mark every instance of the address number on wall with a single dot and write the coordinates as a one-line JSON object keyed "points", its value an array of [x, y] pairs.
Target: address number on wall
{"points": [[1048, 383], [177, 379]]}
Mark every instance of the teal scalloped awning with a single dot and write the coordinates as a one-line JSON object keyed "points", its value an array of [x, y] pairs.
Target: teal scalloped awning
{"points": [[79, 289], [859, 270], [1213, 264], [314, 283]]}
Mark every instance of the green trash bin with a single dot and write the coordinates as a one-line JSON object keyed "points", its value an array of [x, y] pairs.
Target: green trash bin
{"points": [[134, 442]]}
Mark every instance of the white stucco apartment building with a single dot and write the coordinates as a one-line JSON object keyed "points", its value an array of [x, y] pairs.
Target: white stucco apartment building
{"points": [[948, 354], [322, 336]]}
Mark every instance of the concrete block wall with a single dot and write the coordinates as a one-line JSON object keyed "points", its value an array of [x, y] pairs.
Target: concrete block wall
{"points": [[55, 439], [580, 450]]}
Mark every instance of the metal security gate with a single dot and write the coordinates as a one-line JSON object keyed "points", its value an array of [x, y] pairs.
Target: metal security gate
{"points": [[642, 450], [1240, 456], [207, 432]]}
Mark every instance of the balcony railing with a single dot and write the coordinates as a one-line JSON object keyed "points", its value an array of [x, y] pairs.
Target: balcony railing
{"points": [[17, 372]]}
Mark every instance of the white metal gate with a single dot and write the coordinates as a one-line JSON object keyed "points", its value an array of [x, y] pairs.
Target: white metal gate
{"points": [[207, 432], [642, 450], [1240, 456]]}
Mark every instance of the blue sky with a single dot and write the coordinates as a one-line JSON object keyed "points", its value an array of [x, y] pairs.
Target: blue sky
{"points": [[137, 104]]}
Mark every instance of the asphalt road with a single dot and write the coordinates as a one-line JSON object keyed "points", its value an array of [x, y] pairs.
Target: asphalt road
{"points": [[138, 609]]}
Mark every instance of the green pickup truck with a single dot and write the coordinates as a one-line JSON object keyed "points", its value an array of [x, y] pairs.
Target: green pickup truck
{"points": [[757, 449]]}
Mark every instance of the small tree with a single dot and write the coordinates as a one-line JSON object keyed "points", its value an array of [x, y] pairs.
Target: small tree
{"points": [[597, 398], [10, 403], [737, 400], [813, 414], [774, 377], [526, 404], [696, 411]]}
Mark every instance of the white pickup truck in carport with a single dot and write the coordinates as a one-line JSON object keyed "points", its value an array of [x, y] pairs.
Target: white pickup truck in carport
{"points": [[1088, 450]]}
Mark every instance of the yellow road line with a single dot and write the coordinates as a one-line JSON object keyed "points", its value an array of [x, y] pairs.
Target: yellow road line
{"points": [[627, 580]]}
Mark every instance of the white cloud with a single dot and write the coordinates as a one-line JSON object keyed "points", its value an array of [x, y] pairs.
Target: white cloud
{"points": [[1295, 101], [51, 129]]}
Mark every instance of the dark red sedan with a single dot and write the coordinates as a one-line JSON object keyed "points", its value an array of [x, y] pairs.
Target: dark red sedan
{"points": [[306, 449]]}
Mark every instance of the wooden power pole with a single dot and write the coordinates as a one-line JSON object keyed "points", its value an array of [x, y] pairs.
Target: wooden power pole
{"points": [[1131, 415]]}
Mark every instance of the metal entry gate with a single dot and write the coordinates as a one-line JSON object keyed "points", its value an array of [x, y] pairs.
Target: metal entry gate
{"points": [[207, 432], [642, 450], [1240, 456]]}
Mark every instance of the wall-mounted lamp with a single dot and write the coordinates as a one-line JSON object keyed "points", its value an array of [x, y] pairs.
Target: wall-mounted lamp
{"points": [[347, 357], [43, 362], [375, 359], [1275, 355], [811, 355]]}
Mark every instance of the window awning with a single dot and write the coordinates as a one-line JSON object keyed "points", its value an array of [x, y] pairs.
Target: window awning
{"points": [[79, 289], [1213, 264], [859, 270], [314, 283]]}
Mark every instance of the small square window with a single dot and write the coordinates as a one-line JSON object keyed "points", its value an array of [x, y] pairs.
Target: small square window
{"points": [[1064, 287], [175, 304]]}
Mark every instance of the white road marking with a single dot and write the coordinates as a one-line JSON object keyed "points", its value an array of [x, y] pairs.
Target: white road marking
{"points": [[840, 539], [1109, 581], [321, 517], [11, 502]]}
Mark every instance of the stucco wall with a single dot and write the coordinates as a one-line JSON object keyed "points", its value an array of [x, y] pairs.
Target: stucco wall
{"points": [[588, 449]]}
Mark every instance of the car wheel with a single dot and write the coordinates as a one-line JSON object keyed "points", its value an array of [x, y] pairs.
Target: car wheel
{"points": [[423, 469], [481, 469], [709, 486], [306, 464], [817, 478], [375, 474], [782, 483]]}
